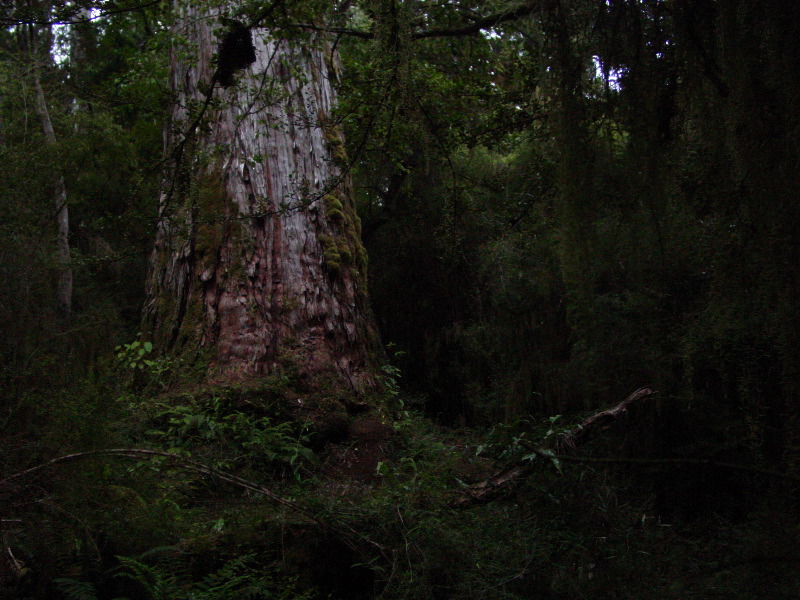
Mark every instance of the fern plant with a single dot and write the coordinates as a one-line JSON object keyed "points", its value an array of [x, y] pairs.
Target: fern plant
{"points": [[240, 578], [76, 590], [164, 574]]}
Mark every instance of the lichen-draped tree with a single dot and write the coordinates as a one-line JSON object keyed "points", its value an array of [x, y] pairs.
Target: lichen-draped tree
{"points": [[258, 262]]}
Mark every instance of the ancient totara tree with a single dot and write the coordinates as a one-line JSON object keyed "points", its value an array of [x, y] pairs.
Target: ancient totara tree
{"points": [[258, 263]]}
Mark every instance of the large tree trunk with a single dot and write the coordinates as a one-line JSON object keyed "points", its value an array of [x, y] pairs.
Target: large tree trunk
{"points": [[258, 263]]}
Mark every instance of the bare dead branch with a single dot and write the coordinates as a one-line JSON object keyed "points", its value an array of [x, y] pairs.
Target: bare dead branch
{"points": [[601, 420], [504, 480]]}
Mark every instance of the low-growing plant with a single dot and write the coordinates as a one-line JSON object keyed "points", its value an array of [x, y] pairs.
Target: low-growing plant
{"points": [[232, 438], [166, 574], [144, 368]]}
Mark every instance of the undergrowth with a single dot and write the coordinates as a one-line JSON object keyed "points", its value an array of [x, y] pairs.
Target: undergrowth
{"points": [[110, 530]]}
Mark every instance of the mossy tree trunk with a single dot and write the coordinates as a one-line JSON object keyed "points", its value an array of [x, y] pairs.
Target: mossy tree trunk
{"points": [[258, 263]]}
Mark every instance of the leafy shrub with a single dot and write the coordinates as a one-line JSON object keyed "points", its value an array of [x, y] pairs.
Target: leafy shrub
{"points": [[232, 438]]}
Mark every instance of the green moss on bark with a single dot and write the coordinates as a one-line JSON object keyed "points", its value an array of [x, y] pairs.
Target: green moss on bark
{"points": [[335, 140], [334, 210], [332, 260]]}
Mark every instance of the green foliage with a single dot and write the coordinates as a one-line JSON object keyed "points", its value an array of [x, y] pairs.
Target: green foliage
{"points": [[422, 470], [104, 150], [138, 356], [391, 376], [165, 574], [76, 590], [142, 370], [525, 440], [231, 438], [618, 234]]}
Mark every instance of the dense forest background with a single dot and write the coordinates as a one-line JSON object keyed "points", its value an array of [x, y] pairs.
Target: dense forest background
{"points": [[562, 201]]}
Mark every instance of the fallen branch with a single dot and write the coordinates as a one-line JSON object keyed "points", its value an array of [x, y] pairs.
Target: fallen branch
{"points": [[601, 420], [502, 481]]}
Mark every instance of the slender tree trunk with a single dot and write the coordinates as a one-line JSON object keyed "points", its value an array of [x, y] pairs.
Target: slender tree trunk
{"points": [[64, 288], [258, 263]]}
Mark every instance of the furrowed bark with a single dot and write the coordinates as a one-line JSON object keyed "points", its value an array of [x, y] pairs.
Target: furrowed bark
{"points": [[258, 262]]}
